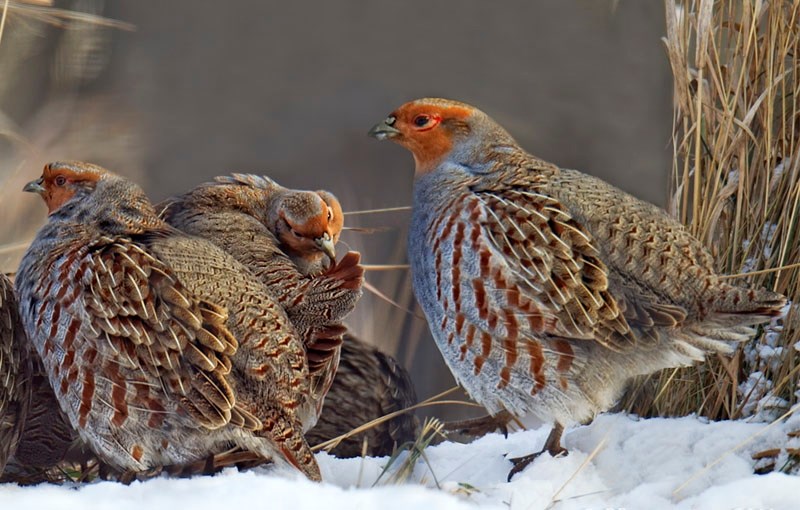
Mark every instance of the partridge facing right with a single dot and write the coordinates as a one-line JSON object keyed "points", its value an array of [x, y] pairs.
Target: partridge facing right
{"points": [[286, 238], [547, 289]]}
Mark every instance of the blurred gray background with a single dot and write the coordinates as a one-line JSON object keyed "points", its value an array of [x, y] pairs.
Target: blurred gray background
{"points": [[289, 89]]}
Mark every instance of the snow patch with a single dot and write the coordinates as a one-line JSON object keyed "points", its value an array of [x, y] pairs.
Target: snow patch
{"points": [[639, 463]]}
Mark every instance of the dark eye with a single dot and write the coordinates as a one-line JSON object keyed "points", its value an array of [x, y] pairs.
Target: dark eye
{"points": [[421, 120], [330, 214], [60, 180]]}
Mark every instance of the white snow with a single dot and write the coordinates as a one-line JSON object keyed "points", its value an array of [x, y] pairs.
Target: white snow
{"points": [[629, 463]]}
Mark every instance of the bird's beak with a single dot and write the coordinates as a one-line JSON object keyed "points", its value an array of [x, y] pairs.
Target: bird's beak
{"points": [[385, 129], [325, 243], [35, 186]]}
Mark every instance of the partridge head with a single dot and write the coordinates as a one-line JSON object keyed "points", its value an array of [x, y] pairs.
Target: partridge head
{"points": [[308, 225], [437, 130]]}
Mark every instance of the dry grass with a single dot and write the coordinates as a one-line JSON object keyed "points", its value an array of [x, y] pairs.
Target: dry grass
{"points": [[60, 123], [736, 185], [400, 467]]}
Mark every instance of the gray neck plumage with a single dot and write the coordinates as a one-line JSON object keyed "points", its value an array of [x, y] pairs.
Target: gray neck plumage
{"points": [[113, 207], [477, 148]]}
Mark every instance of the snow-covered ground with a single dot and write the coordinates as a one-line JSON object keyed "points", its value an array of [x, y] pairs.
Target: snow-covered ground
{"points": [[629, 463]]}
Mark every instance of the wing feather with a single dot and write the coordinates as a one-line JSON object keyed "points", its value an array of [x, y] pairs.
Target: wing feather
{"points": [[553, 262], [140, 308]]}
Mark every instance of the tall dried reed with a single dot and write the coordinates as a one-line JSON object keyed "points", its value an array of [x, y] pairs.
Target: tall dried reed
{"points": [[736, 185]]}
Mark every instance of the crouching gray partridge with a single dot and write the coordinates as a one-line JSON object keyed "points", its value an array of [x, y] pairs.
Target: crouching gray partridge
{"points": [[161, 348], [34, 433], [287, 239], [15, 373], [47, 440], [547, 289]]}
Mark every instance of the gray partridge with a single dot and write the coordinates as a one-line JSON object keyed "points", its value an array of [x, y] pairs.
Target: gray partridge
{"points": [[15, 388], [286, 238], [44, 435], [368, 385], [547, 289], [47, 438], [161, 348]]}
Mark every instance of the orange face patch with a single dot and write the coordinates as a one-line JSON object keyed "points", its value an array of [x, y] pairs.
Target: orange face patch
{"points": [[315, 226], [59, 184], [336, 220], [422, 131]]}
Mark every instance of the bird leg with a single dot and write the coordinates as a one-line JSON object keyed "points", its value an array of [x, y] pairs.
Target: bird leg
{"points": [[552, 446], [481, 426]]}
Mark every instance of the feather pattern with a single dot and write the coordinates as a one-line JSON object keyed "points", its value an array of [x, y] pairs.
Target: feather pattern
{"points": [[161, 348], [15, 373], [240, 214], [547, 289]]}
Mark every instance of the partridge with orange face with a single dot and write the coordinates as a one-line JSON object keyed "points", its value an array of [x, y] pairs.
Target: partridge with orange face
{"points": [[547, 289], [287, 239], [15, 373], [161, 348]]}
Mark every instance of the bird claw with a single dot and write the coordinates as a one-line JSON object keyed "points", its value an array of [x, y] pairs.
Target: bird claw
{"points": [[520, 463], [552, 445]]}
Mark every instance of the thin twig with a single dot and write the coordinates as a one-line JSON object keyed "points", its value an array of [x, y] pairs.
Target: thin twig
{"points": [[367, 230], [12, 247], [384, 267], [391, 301], [373, 211], [332, 443], [597, 449], [3, 20], [761, 271], [54, 16]]}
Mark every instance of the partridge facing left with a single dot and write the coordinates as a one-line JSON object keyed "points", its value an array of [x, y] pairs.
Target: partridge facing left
{"points": [[547, 289], [161, 348]]}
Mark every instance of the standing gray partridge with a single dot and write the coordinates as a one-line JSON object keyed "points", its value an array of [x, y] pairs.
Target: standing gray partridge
{"points": [[286, 238], [161, 348], [369, 384], [547, 289], [15, 386]]}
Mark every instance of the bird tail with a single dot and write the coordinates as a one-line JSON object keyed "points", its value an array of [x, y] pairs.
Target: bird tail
{"points": [[737, 310], [286, 433], [742, 306]]}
